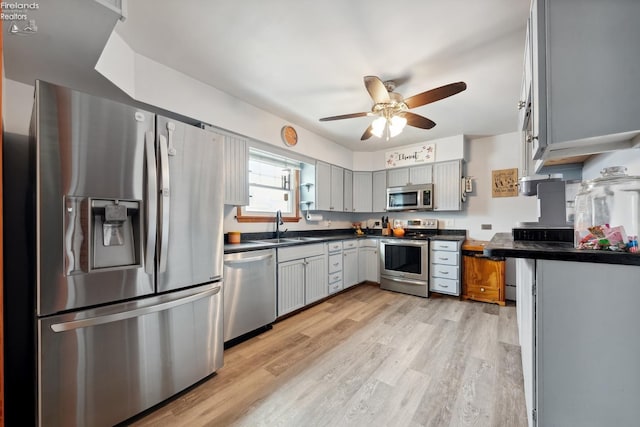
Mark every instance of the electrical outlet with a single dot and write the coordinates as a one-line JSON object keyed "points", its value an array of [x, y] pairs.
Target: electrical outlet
{"points": [[450, 222]]}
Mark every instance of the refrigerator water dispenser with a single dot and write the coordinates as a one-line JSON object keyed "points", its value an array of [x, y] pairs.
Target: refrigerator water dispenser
{"points": [[115, 234]]}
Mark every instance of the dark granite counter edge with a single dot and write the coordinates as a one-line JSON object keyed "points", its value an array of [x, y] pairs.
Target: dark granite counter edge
{"points": [[248, 245], [503, 245]]}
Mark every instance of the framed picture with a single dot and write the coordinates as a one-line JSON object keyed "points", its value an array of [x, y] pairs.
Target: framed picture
{"points": [[504, 183]]}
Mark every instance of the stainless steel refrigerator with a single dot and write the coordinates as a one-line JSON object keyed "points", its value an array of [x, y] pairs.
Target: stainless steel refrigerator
{"points": [[124, 260]]}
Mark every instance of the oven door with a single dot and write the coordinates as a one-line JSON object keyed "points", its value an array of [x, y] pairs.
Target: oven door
{"points": [[407, 259]]}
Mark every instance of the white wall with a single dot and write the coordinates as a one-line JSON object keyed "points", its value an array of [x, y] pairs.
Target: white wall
{"points": [[164, 87], [629, 158], [483, 156]]}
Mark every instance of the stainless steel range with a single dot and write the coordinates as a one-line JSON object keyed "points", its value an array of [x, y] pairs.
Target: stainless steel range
{"points": [[404, 262]]}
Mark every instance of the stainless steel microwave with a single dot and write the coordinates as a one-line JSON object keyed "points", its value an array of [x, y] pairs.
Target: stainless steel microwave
{"points": [[410, 198]]}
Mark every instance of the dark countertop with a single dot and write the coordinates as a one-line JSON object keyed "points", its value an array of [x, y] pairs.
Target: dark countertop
{"points": [[503, 245], [252, 244]]}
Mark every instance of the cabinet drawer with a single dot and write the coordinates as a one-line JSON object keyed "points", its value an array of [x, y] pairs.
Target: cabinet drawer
{"points": [[446, 286], [483, 293], [335, 287], [444, 271], [335, 263], [444, 245], [300, 251], [368, 243], [334, 246], [348, 244], [336, 277], [444, 257]]}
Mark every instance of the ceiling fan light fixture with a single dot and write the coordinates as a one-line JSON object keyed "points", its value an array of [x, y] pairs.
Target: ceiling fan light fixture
{"points": [[396, 125], [378, 125]]}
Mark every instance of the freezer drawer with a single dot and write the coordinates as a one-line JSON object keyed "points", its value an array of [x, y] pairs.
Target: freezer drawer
{"points": [[100, 367]]}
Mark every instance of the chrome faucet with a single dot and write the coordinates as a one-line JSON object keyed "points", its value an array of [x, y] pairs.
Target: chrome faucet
{"points": [[279, 222]]}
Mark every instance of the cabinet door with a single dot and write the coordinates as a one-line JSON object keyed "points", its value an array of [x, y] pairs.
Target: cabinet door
{"points": [[397, 177], [379, 191], [291, 277], [236, 171], [446, 186], [362, 191], [525, 316], [350, 267], [315, 278], [368, 265], [348, 190], [421, 174], [337, 188], [323, 186]]}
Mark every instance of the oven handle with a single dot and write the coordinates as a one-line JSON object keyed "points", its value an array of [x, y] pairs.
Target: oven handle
{"points": [[403, 280], [406, 242]]}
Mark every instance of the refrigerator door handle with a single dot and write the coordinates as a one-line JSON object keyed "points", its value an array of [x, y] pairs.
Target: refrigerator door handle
{"points": [[165, 204], [128, 314], [152, 202]]}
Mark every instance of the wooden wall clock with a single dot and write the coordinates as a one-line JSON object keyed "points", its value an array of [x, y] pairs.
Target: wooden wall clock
{"points": [[289, 136]]}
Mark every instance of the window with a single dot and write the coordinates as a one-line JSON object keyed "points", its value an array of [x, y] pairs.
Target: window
{"points": [[273, 186]]}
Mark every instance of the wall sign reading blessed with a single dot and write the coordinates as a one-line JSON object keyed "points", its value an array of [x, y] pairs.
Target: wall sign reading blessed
{"points": [[423, 153], [504, 182]]}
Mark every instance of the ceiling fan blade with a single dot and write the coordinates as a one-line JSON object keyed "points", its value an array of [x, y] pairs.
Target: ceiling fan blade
{"points": [[367, 134], [418, 121], [376, 89], [345, 116], [435, 94]]}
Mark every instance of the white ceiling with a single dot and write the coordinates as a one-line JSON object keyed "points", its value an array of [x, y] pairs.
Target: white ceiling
{"points": [[306, 59], [303, 60]]}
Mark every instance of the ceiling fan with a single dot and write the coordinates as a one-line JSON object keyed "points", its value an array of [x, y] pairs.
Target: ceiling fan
{"points": [[393, 110]]}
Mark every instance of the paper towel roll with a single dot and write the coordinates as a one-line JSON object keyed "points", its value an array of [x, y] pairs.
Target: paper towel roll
{"points": [[314, 217]]}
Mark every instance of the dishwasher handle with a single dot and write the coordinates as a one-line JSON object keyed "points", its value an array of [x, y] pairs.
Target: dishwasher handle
{"points": [[247, 260]]}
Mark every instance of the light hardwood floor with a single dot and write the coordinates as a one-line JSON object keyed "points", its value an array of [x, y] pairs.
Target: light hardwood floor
{"points": [[367, 357]]}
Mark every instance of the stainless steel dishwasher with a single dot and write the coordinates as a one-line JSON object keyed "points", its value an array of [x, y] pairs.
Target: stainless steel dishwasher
{"points": [[249, 292]]}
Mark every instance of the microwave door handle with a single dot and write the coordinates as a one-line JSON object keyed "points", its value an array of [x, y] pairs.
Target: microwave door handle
{"points": [[152, 202], [165, 204]]}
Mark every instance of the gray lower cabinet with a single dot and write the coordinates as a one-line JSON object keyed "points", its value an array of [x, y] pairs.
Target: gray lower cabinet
{"points": [[302, 276], [349, 263], [368, 261], [580, 345], [445, 267]]}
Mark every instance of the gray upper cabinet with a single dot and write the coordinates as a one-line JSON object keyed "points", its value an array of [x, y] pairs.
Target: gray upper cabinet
{"points": [[421, 174], [397, 177], [329, 186], [348, 190], [413, 175], [236, 171], [584, 54], [379, 191], [337, 188], [362, 191], [447, 195], [323, 186]]}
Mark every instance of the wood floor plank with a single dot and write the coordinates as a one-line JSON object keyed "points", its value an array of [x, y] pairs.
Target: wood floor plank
{"points": [[366, 357]]}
